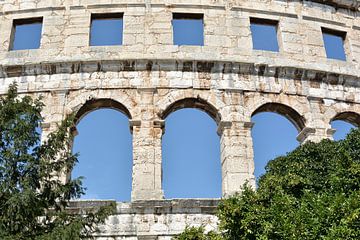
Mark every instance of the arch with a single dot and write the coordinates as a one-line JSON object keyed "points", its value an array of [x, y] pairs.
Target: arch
{"points": [[292, 115], [272, 135], [349, 117], [191, 156], [94, 104], [197, 103], [105, 145]]}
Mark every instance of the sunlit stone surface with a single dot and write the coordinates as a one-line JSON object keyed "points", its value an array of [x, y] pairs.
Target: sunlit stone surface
{"points": [[148, 77]]}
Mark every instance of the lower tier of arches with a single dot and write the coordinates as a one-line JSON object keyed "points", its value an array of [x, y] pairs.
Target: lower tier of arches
{"points": [[232, 112]]}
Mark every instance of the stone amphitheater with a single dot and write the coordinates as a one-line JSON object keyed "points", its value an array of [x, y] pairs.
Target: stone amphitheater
{"points": [[148, 77]]}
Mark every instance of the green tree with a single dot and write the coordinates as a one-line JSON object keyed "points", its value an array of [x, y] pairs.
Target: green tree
{"points": [[33, 201], [197, 233], [311, 193]]}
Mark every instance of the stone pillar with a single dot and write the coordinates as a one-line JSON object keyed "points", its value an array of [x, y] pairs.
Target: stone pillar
{"points": [[317, 128], [53, 114], [236, 156], [48, 128], [147, 169], [315, 134]]}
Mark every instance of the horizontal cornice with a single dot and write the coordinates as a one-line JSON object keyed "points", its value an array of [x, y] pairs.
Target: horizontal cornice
{"points": [[347, 4], [224, 67]]}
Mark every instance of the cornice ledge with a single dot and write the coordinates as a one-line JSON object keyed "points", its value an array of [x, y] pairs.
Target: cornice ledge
{"points": [[223, 67], [347, 4]]}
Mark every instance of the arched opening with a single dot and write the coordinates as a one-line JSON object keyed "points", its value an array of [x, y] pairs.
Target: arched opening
{"points": [[104, 144], [343, 123], [276, 127], [191, 154]]}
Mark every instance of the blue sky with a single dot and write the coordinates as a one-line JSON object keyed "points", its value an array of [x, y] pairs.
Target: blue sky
{"points": [[264, 37], [191, 152], [334, 46], [106, 32], [188, 32], [191, 146], [105, 146], [27, 36]]}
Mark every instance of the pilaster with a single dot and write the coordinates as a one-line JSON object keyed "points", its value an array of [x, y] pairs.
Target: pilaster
{"points": [[147, 131], [236, 156], [147, 169]]}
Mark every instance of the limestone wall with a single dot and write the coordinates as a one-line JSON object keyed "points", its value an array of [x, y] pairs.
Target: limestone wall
{"points": [[155, 220], [148, 77]]}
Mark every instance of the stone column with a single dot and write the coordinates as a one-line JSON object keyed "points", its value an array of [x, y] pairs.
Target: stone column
{"points": [[315, 134], [147, 169], [236, 156]]}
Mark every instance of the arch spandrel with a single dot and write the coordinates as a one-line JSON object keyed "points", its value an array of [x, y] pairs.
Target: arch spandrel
{"points": [[348, 112], [290, 113]]}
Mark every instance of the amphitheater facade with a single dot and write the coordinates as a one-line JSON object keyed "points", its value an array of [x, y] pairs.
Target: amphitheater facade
{"points": [[148, 77]]}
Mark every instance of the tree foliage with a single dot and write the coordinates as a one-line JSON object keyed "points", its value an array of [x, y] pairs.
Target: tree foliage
{"points": [[311, 193], [33, 200], [197, 233]]}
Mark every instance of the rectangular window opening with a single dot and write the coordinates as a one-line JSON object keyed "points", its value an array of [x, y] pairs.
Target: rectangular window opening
{"points": [[334, 43], [188, 29], [106, 29], [26, 33], [264, 34]]}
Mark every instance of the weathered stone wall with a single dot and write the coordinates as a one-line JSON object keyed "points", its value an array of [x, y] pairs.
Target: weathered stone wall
{"points": [[155, 220], [148, 77]]}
